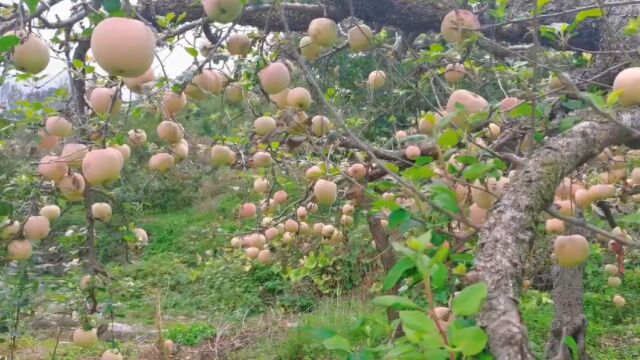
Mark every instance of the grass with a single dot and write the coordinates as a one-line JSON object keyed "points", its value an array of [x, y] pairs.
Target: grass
{"points": [[611, 333], [34, 348], [204, 284], [198, 276], [338, 314]]}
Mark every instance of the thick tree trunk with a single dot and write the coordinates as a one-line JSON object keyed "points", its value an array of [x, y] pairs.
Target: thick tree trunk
{"points": [[510, 229], [569, 320]]}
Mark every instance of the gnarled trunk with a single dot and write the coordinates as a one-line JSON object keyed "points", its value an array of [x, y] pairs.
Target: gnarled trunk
{"points": [[510, 229]]}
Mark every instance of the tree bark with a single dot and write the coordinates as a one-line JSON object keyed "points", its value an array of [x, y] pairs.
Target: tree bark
{"points": [[510, 229], [387, 256], [569, 318]]}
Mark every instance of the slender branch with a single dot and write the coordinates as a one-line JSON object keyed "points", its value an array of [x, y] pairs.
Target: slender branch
{"points": [[581, 223], [559, 14]]}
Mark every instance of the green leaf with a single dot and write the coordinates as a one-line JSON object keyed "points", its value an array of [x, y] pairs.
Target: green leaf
{"points": [[591, 13], [436, 48], [476, 171], [381, 204], [522, 110], [439, 276], [470, 299], [396, 272], [441, 255], [470, 340], [424, 160], [111, 6], [396, 302], [613, 97], [392, 167], [192, 51], [418, 321], [466, 159], [337, 342], [632, 27], [162, 22], [417, 173], [597, 99], [538, 136], [8, 42], [78, 64], [32, 5], [421, 242], [448, 139], [573, 346], [540, 4], [181, 17], [318, 333], [397, 217], [445, 198]]}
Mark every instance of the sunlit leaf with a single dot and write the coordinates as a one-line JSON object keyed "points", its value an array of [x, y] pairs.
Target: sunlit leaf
{"points": [[192, 51], [470, 299], [448, 139], [613, 97], [8, 42], [591, 13], [469, 340]]}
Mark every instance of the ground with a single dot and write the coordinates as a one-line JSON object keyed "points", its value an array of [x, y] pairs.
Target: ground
{"points": [[216, 307]]}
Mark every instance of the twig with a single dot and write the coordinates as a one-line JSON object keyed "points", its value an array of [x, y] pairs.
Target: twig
{"points": [[575, 221], [571, 88]]}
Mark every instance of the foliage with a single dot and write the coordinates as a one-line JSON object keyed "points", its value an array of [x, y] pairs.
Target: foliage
{"points": [[190, 335], [177, 246]]}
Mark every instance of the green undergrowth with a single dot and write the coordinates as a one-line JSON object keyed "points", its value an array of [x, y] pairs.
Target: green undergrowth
{"points": [[338, 314], [188, 260], [203, 283], [611, 333]]}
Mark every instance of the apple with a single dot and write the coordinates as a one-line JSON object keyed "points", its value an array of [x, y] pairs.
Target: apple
{"points": [[458, 24], [222, 11], [123, 47], [323, 31], [238, 44], [325, 192], [360, 38], [571, 250], [31, 54], [377, 79]]}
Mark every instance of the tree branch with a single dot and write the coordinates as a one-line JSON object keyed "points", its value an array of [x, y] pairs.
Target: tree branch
{"points": [[510, 229]]}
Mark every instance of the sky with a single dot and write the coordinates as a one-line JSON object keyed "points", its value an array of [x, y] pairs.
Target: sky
{"points": [[175, 61]]}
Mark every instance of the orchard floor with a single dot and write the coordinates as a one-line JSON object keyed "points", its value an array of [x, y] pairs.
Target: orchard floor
{"points": [[215, 308]]}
